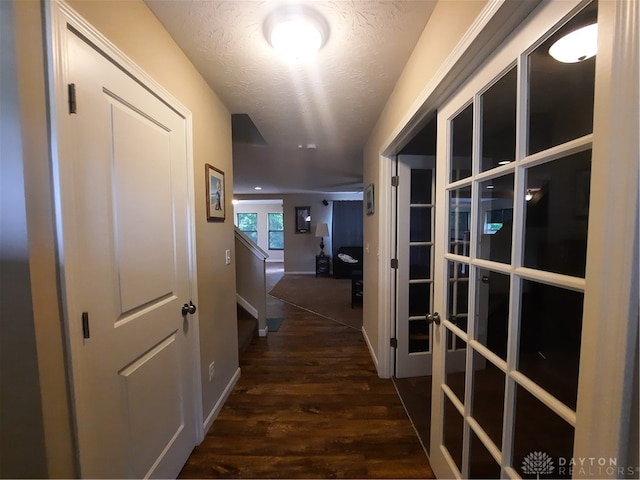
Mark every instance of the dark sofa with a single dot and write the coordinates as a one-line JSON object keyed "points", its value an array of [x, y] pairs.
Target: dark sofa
{"points": [[343, 269]]}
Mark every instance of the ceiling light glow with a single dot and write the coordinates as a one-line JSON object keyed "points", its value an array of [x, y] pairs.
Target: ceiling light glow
{"points": [[576, 46], [257, 188], [296, 32]]}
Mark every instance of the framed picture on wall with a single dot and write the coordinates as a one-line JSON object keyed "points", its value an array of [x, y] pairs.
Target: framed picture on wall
{"points": [[215, 193], [369, 200], [303, 219]]}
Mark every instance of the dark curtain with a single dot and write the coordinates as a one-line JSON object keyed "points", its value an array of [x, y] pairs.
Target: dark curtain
{"points": [[346, 229]]}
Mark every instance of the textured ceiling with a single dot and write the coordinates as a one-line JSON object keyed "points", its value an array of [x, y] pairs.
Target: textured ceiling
{"points": [[332, 101]]}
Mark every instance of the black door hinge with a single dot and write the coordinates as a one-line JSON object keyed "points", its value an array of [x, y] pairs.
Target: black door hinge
{"points": [[395, 181], [393, 342], [394, 263], [72, 98], [85, 325]]}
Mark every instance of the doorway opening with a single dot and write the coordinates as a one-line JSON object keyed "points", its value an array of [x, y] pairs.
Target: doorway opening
{"points": [[413, 219]]}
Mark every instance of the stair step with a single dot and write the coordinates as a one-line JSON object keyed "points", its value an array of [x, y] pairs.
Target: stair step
{"points": [[247, 329]]}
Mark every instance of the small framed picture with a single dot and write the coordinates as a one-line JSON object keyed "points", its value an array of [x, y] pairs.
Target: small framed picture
{"points": [[215, 193], [303, 219], [369, 199]]}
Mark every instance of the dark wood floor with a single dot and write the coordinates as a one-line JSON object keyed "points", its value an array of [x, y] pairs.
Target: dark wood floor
{"points": [[309, 404]]}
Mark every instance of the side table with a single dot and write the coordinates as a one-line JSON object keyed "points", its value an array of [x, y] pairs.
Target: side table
{"points": [[323, 265]]}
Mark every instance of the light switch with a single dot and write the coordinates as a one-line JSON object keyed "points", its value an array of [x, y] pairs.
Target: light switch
{"points": [[227, 257]]}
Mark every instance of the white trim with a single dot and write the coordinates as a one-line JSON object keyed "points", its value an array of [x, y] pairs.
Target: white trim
{"points": [[386, 327], [610, 321], [263, 332], [252, 247], [247, 306], [220, 403], [371, 350]]}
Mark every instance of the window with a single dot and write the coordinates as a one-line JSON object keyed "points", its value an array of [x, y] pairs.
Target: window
{"points": [[276, 231], [248, 223]]}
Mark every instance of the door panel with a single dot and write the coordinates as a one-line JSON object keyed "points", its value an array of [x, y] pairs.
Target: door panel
{"points": [[145, 274], [514, 253], [125, 221], [415, 216]]}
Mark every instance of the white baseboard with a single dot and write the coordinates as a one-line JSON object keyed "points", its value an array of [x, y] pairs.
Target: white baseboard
{"points": [[371, 351], [247, 306], [262, 332], [223, 398]]}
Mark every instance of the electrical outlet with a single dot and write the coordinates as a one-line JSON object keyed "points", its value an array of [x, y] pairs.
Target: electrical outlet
{"points": [[212, 370], [227, 257]]}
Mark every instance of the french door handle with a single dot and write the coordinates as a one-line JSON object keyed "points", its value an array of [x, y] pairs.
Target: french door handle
{"points": [[188, 308], [433, 318]]}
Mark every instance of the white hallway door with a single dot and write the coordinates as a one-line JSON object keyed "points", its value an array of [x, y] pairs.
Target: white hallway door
{"points": [[414, 276], [126, 246]]}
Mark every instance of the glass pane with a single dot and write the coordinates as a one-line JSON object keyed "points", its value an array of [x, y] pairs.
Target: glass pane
{"points": [[420, 224], [276, 221], [276, 240], [496, 219], [561, 94], [557, 215], [418, 336], [253, 236], [420, 262], [541, 439], [459, 220], [452, 438], [481, 463], [550, 331], [419, 299], [462, 144], [492, 311], [499, 122], [458, 304], [247, 221], [487, 406], [421, 183], [455, 362]]}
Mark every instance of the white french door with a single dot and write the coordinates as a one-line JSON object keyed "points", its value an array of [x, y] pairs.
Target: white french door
{"points": [[514, 175], [414, 278]]}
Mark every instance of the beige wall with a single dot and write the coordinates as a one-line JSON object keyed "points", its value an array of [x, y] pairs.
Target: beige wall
{"points": [[446, 26], [132, 27], [21, 419]]}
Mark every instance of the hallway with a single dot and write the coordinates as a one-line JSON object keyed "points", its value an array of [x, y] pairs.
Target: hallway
{"points": [[309, 404]]}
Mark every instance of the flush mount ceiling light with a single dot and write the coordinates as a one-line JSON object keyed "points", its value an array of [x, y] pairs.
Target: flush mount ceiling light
{"points": [[576, 46], [296, 32]]}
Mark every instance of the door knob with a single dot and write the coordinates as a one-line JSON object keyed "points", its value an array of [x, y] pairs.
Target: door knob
{"points": [[188, 308], [433, 318]]}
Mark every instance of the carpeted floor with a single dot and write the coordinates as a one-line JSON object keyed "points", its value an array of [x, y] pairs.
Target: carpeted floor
{"points": [[327, 297]]}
